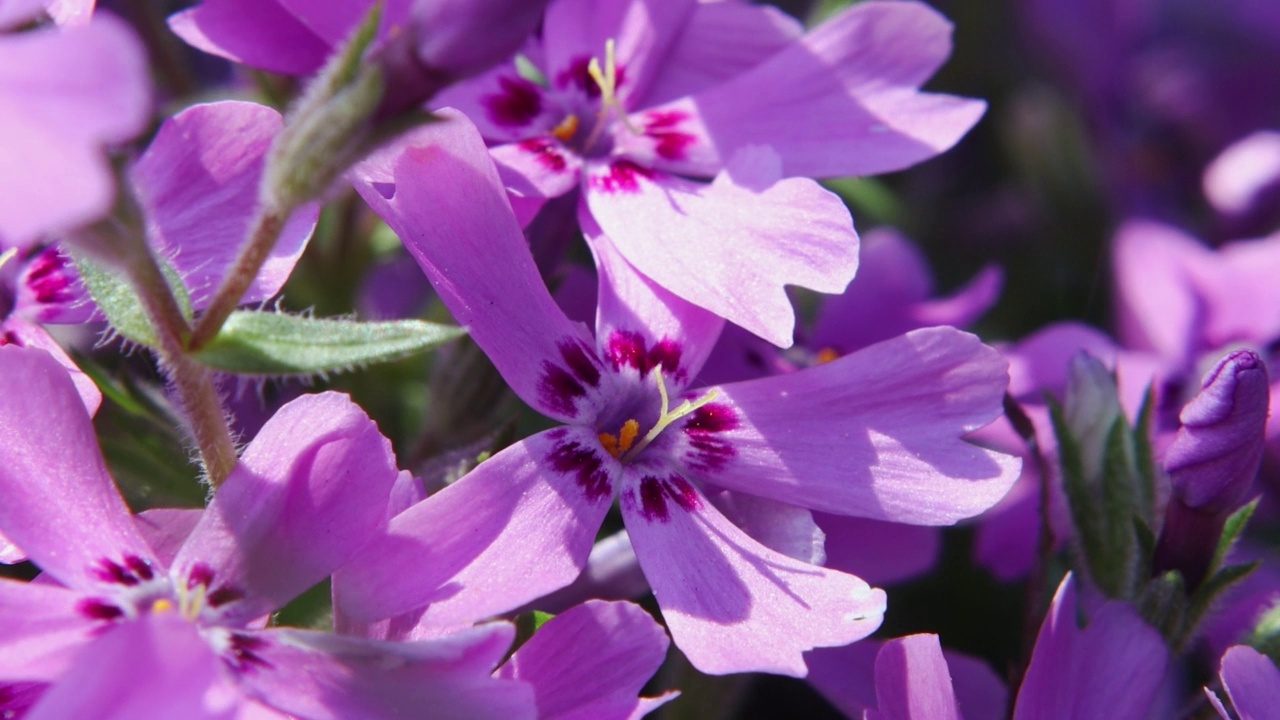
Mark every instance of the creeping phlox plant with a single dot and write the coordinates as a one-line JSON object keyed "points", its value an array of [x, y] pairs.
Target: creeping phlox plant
{"points": [[585, 359]]}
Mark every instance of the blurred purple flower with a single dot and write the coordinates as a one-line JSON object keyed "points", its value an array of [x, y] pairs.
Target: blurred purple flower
{"points": [[119, 633], [65, 94], [1252, 681], [898, 410]]}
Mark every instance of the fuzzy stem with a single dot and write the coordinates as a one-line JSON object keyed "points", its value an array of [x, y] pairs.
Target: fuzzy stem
{"points": [[267, 225]]}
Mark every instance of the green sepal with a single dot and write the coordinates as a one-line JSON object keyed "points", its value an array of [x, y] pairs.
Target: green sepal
{"points": [[1144, 457], [1163, 604], [527, 624], [1118, 560], [1265, 637], [1232, 529], [1213, 588], [119, 301], [274, 344]]}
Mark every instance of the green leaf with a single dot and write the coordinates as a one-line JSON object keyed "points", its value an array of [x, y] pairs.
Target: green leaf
{"points": [[119, 301], [1118, 560], [1265, 637], [266, 343], [1210, 590], [1144, 457], [1231, 531], [527, 624]]}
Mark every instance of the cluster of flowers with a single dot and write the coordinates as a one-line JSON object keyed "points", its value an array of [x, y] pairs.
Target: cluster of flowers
{"points": [[683, 440]]}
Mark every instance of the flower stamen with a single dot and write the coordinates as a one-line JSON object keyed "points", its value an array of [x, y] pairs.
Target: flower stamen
{"points": [[668, 415], [607, 81]]}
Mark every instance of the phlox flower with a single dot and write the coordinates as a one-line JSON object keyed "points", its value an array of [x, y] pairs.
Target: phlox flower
{"points": [[115, 630], [878, 433], [65, 94], [635, 103]]}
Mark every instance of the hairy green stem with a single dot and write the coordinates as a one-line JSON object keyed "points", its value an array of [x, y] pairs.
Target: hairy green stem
{"points": [[266, 228]]}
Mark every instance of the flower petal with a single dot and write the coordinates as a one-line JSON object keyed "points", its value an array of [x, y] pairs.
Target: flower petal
{"points": [[517, 527], [52, 477], [42, 631], [198, 182], [878, 552], [324, 676], [912, 681], [439, 191], [1110, 668], [29, 334], [1155, 288], [733, 605], [537, 168], [591, 661], [1252, 681], [156, 666], [863, 66], [309, 492], [63, 95], [733, 245], [641, 325], [257, 33], [1243, 173], [718, 42], [876, 434]]}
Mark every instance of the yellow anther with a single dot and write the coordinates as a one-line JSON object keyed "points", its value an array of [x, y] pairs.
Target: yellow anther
{"points": [[7, 256], [163, 605], [567, 128], [825, 355], [667, 416], [622, 442], [610, 443]]}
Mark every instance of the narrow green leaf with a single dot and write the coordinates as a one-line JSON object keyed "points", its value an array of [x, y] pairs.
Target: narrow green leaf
{"points": [[1086, 516], [1231, 531], [1118, 560], [1144, 457], [119, 301], [265, 343], [1210, 590]]}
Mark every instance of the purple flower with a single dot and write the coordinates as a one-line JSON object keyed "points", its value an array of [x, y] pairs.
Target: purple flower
{"points": [[120, 630], [878, 433], [636, 103], [64, 95], [1111, 666], [1251, 681], [1246, 175]]}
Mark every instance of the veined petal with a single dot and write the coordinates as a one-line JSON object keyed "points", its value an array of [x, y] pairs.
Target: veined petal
{"points": [[590, 662], [29, 334], [641, 325], [1110, 668], [718, 42], [440, 192], [257, 33], [876, 434], [575, 31], [63, 95], [517, 527], [198, 182], [325, 676], [864, 67], [733, 605], [41, 630], [60, 505], [733, 245], [155, 666], [308, 493], [1252, 681]]}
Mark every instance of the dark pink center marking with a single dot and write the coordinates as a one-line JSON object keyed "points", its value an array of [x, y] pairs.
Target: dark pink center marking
{"points": [[242, 653], [669, 142], [628, 348], [49, 279], [202, 574], [96, 609], [708, 451], [561, 385], [621, 177], [546, 153], [516, 104], [585, 466], [655, 493], [132, 571]]}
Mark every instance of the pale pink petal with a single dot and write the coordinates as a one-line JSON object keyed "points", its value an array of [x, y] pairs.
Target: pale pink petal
{"points": [[43, 630], [1253, 682], [439, 191], [1245, 297], [258, 33], [517, 527], [879, 552], [10, 553], [64, 94], [537, 168], [1156, 294], [876, 434], [60, 505], [71, 12], [640, 325], [504, 106], [28, 334], [863, 67], [720, 41], [155, 667], [330, 677], [198, 182], [731, 604], [167, 529], [308, 493], [1239, 176], [14, 13], [590, 662], [730, 246], [783, 528]]}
